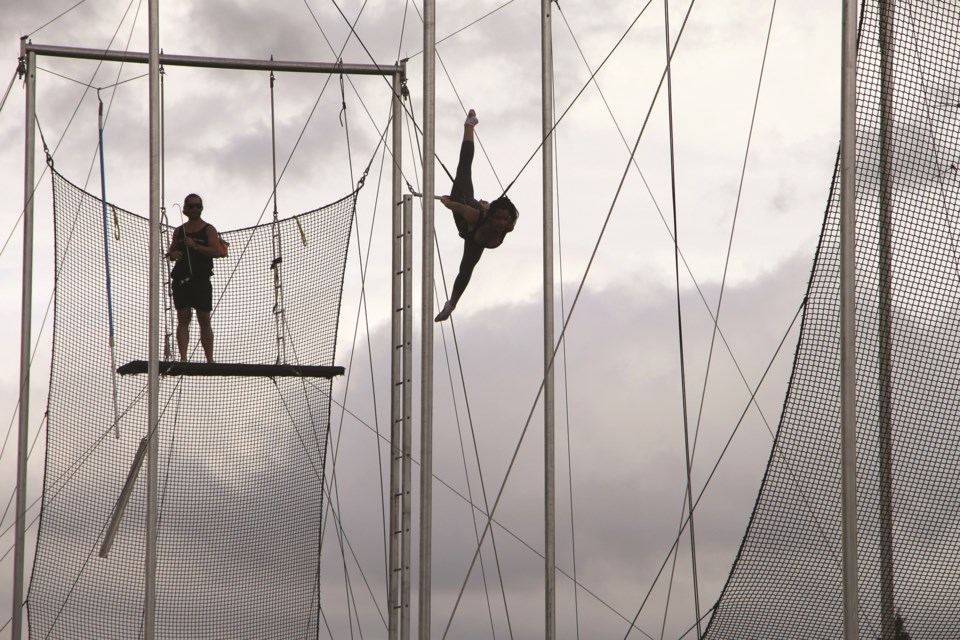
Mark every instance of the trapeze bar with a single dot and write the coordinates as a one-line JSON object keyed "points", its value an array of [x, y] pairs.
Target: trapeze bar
{"points": [[216, 63], [233, 369]]}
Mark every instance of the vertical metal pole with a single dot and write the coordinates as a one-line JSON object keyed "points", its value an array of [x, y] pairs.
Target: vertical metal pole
{"points": [[26, 311], [549, 440], [396, 378], [848, 360], [426, 317], [153, 365], [407, 437], [887, 610], [279, 308]]}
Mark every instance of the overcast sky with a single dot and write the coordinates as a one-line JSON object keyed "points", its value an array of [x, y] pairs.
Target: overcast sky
{"points": [[620, 372]]}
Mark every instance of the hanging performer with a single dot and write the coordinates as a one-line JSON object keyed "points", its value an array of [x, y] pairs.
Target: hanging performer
{"points": [[194, 246], [481, 224]]}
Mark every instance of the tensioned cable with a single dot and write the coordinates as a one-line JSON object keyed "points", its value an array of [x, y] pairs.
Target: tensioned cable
{"points": [[577, 97], [472, 430], [76, 467], [455, 492], [466, 26], [750, 402], [566, 374], [352, 29], [51, 21], [676, 266], [72, 116], [736, 210], [336, 447], [88, 86], [692, 454], [570, 314], [716, 465], [37, 185], [466, 476], [666, 227], [334, 485], [414, 140], [13, 492], [342, 537], [345, 123], [16, 72], [93, 86], [554, 126]]}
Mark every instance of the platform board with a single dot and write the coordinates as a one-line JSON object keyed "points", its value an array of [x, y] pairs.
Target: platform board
{"points": [[232, 369]]}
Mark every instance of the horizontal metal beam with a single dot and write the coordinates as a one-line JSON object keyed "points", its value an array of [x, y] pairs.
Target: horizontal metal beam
{"points": [[215, 63]]}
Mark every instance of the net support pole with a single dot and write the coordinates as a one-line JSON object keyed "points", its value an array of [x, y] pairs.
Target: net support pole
{"points": [[426, 317], [407, 436], [396, 379], [549, 440], [848, 360], [26, 311], [885, 381], [153, 360]]}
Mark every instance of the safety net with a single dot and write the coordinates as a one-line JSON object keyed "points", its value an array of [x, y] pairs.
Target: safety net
{"points": [[241, 459], [787, 581]]}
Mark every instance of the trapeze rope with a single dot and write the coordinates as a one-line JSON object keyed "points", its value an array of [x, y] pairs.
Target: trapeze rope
{"points": [[476, 451], [106, 260]]}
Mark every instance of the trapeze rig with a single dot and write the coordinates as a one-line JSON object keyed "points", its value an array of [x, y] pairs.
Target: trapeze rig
{"points": [[152, 366]]}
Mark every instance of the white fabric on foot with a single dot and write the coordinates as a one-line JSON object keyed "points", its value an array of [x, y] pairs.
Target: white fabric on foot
{"points": [[472, 118]]}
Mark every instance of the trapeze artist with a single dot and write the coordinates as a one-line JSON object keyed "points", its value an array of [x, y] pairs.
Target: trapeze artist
{"points": [[481, 224]]}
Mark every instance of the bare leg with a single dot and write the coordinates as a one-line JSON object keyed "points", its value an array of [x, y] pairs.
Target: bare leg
{"points": [[206, 334], [183, 331]]}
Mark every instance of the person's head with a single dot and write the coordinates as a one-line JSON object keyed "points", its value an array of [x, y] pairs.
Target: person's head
{"points": [[193, 206], [503, 214]]}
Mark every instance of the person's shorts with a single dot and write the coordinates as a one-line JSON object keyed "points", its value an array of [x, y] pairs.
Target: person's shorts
{"points": [[193, 292]]}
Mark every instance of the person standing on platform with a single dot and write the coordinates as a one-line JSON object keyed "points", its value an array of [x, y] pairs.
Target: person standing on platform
{"points": [[194, 246]]}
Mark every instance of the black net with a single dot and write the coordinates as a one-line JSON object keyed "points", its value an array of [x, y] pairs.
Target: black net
{"points": [[786, 582], [240, 477]]}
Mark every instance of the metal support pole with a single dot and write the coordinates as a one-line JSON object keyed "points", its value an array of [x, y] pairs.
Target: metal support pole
{"points": [[549, 439], [848, 360], [407, 437], [396, 378], [426, 317], [885, 381], [153, 359], [26, 311]]}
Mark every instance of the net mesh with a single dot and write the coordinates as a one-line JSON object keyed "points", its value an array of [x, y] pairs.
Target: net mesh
{"points": [[240, 475], [786, 581]]}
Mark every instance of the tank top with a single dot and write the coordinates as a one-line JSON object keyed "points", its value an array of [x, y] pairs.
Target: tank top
{"points": [[193, 263]]}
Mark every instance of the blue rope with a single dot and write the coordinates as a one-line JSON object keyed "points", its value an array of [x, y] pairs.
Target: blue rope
{"points": [[106, 231]]}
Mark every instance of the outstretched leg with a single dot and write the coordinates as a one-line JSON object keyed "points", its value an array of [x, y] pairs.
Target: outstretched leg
{"points": [[471, 256], [462, 189]]}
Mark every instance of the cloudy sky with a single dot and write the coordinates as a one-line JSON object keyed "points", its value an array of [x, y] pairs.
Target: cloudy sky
{"points": [[619, 401]]}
